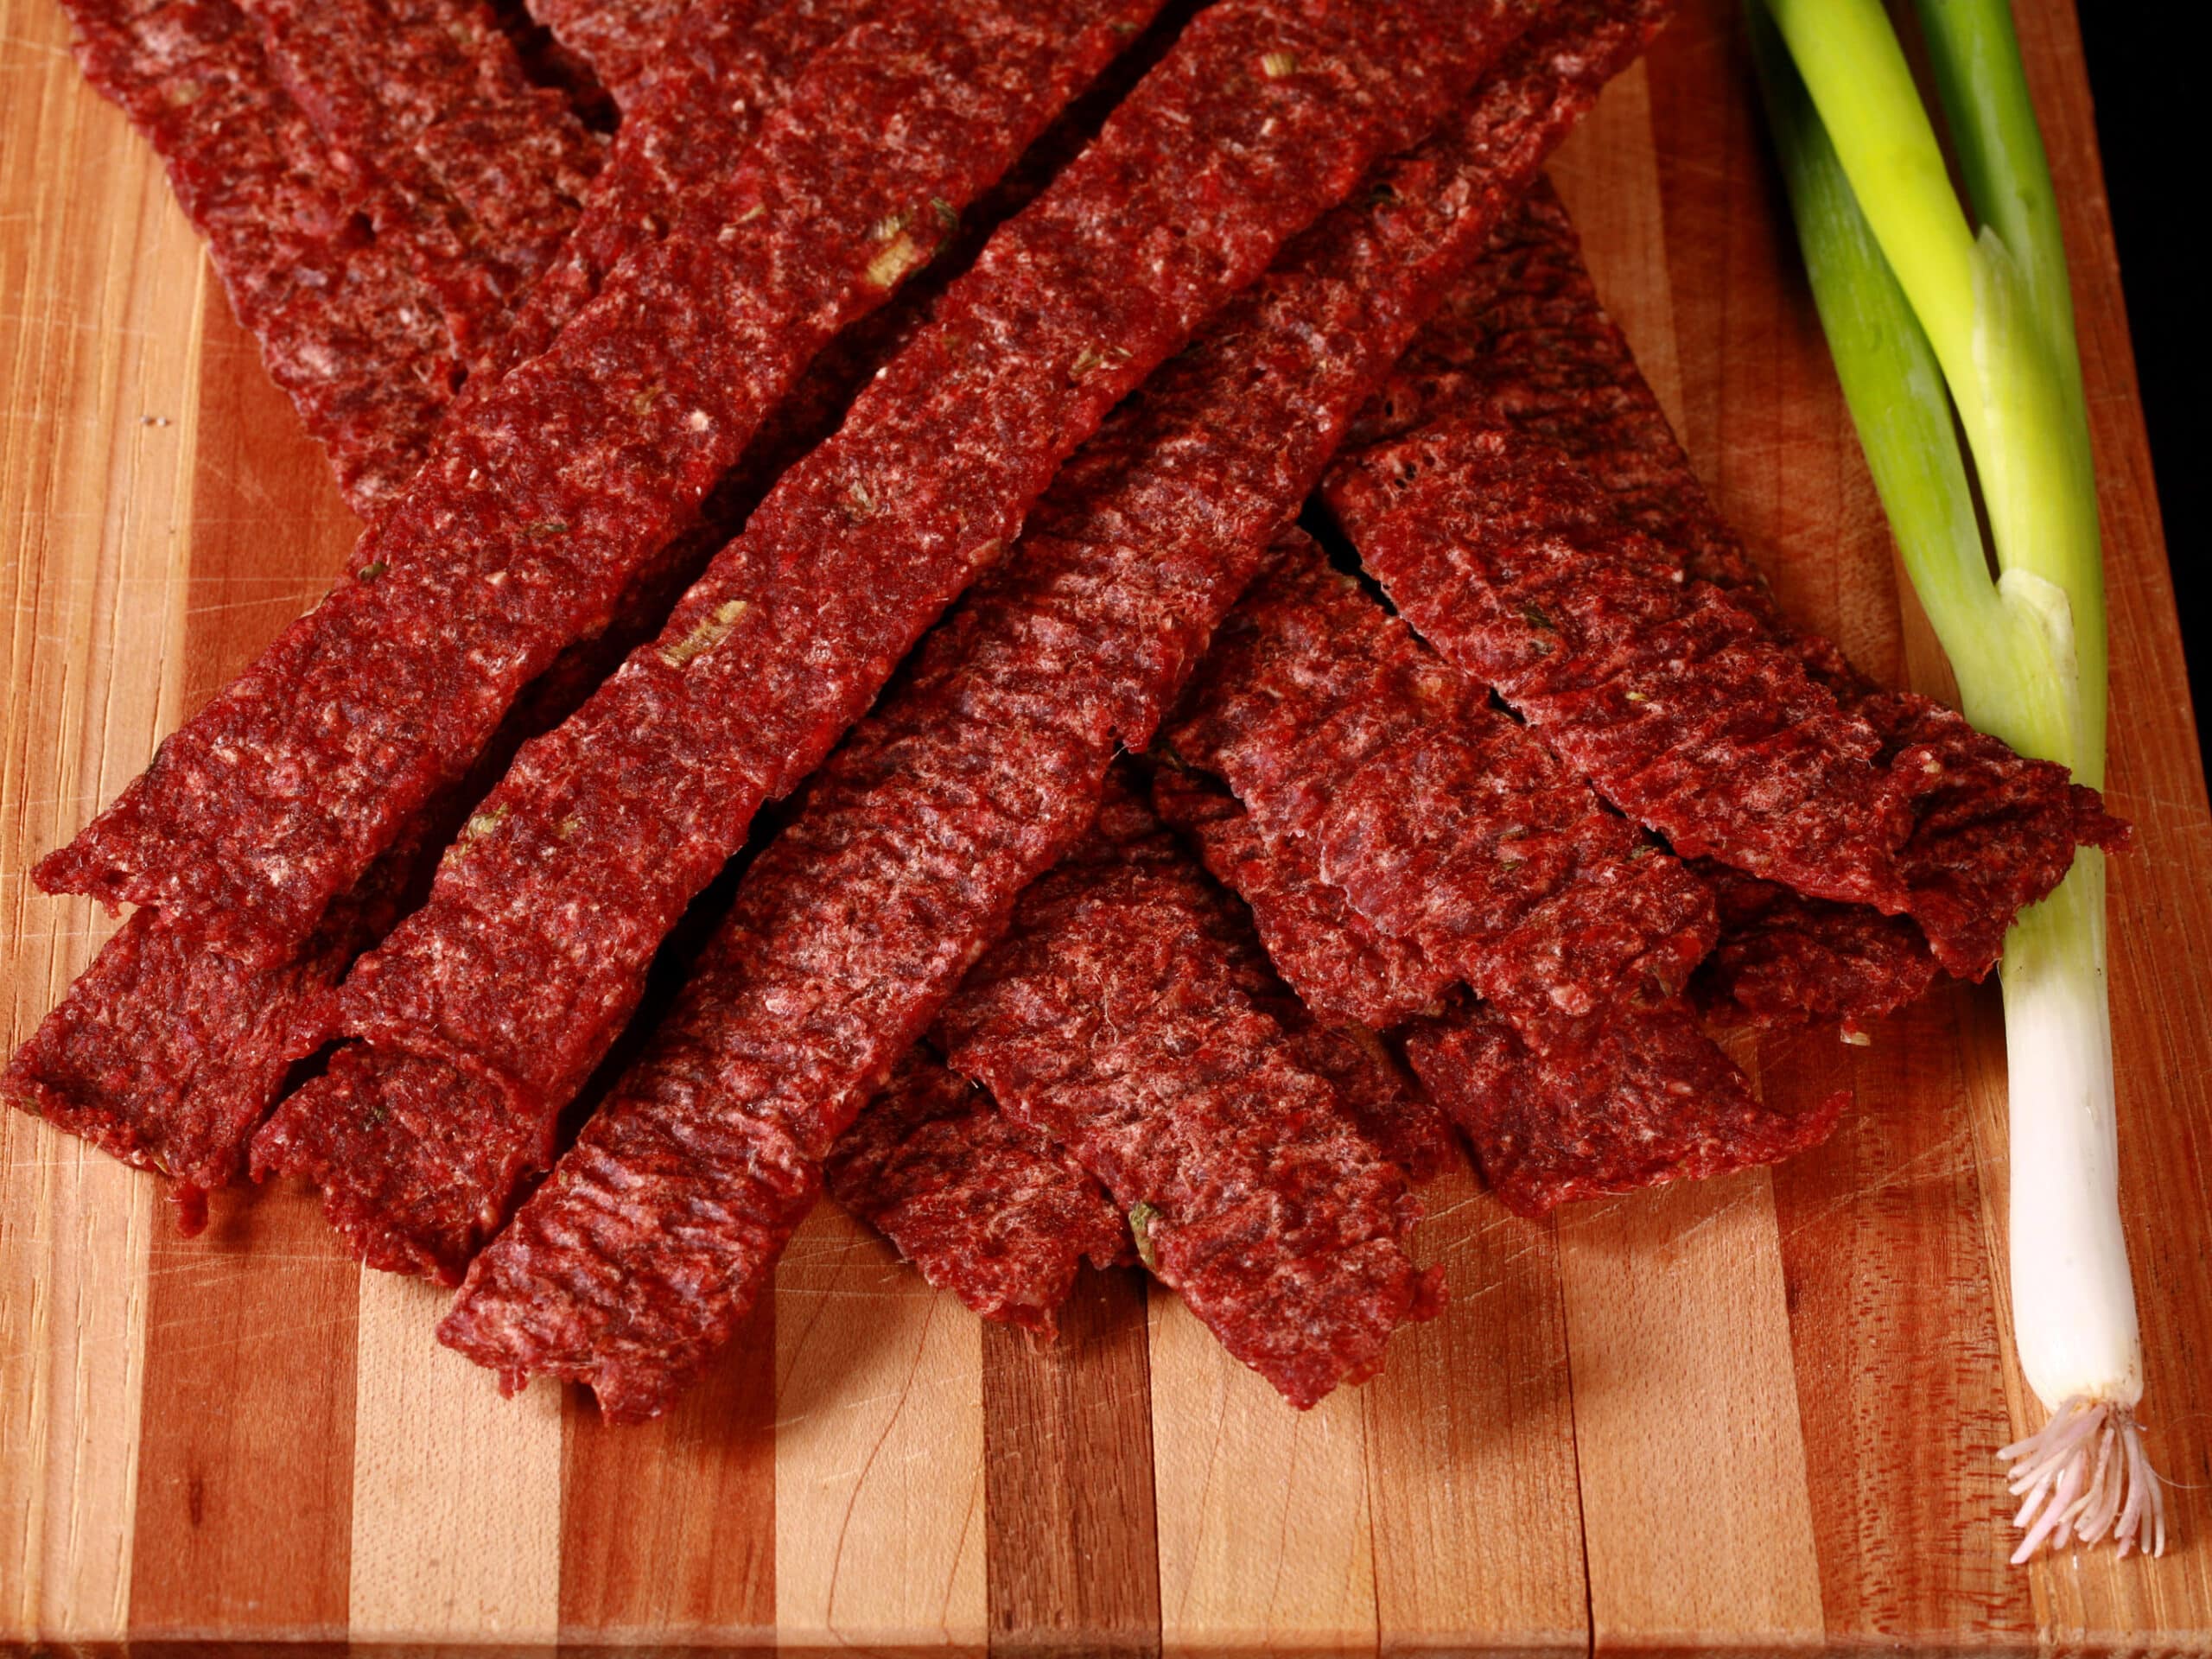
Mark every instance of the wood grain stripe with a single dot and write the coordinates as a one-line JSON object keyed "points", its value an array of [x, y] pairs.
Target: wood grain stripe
{"points": [[879, 1450], [1677, 1328], [1073, 1567], [1470, 1438], [668, 1530], [1266, 1542], [246, 1460], [456, 1492], [97, 297]]}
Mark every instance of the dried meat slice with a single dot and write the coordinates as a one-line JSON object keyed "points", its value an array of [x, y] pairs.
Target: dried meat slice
{"points": [[728, 65], [1783, 959], [983, 767], [345, 326], [1555, 1106], [1105, 1019], [193, 1090], [526, 528], [984, 1206], [1579, 1108], [463, 165], [1444, 823], [1524, 347], [532, 951], [622, 41]]}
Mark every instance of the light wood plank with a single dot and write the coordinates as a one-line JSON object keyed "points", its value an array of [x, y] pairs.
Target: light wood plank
{"points": [[456, 1492], [879, 1450], [98, 281], [1471, 1430], [1265, 1537], [1694, 1508]]}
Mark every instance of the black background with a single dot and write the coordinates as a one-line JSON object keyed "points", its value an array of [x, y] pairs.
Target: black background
{"points": [[2154, 172]]}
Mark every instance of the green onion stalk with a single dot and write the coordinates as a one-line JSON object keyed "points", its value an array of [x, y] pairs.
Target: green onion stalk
{"points": [[1938, 329]]}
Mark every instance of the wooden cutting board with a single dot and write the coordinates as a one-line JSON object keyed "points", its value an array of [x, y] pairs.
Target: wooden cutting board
{"points": [[1758, 1414]]}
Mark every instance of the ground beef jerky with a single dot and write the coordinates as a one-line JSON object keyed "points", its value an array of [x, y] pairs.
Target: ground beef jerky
{"points": [[986, 1207], [1523, 345], [621, 39], [1104, 1020], [345, 326], [978, 772], [1557, 1106], [1441, 821], [1785, 959], [1638, 1102], [579, 863], [1341, 964], [729, 63], [464, 165], [525, 530]]}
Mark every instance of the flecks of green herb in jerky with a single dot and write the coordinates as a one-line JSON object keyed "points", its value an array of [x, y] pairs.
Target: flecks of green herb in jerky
{"points": [[468, 169], [1105, 1019], [983, 767], [1443, 822], [728, 64], [952, 444], [388, 689], [1523, 347]]}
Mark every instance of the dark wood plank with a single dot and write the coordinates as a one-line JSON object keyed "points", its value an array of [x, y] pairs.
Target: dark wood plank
{"points": [[245, 1454], [1071, 1559], [668, 1530]]}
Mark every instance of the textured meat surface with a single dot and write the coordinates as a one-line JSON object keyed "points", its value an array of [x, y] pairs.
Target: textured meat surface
{"points": [[1339, 962], [1643, 1100], [1785, 959], [622, 41], [1522, 346], [345, 326], [986, 1207], [463, 165], [533, 948], [728, 65], [984, 767], [1104, 1020], [1667, 692], [525, 530], [1442, 822]]}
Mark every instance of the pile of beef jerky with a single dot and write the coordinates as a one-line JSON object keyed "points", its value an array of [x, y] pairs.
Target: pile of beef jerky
{"points": [[907, 414]]}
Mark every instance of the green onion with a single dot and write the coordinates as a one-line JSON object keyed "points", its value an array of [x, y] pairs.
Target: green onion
{"points": [[1938, 329]]}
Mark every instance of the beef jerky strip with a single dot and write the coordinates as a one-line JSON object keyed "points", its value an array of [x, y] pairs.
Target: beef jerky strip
{"points": [[344, 324], [985, 1206], [464, 164], [1783, 959], [729, 63], [1440, 819], [622, 41], [1378, 781], [1671, 1106], [116, 1062], [981, 769], [1523, 347], [1104, 1019], [1557, 1106], [526, 528], [590, 849]]}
